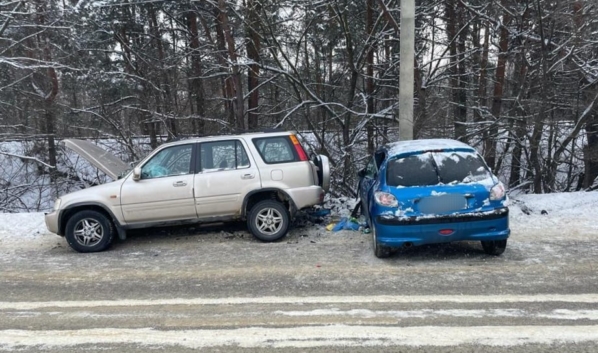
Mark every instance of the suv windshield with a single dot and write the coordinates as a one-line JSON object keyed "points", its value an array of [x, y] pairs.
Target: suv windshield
{"points": [[434, 168]]}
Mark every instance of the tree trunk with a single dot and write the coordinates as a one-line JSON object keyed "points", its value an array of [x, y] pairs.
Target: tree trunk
{"points": [[320, 90], [590, 152], [253, 53], [499, 83], [164, 80], [236, 77], [227, 89], [451, 32], [518, 135], [370, 77], [196, 81], [49, 99], [483, 83], [536, 137], [461, 109]]}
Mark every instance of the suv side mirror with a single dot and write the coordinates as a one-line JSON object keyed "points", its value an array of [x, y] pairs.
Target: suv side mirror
{"points": [[361, 173], [136, 174]]}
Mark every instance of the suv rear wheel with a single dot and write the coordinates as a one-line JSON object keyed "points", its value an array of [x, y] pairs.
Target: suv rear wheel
{"points": [[89, 231], [268, 220]]}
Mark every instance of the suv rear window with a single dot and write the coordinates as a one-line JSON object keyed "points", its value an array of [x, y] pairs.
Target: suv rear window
{"points": [[277, 149], [436, 168]]}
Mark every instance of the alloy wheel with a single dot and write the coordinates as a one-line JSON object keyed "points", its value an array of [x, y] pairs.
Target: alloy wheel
{"points": [[269, 221], [88, 232]]}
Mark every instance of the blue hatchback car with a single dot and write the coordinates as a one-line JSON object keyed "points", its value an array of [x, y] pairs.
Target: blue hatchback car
{"points": [[432, 191]]}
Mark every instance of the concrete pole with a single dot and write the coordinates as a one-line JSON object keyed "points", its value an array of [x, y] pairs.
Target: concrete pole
{"points": [[406, 70]]}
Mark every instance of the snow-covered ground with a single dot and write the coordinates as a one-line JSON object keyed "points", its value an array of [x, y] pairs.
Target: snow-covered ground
{"points": [[560, 215]]}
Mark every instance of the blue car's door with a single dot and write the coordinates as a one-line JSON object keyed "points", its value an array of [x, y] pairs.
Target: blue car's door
{"points": [[365, 187]]}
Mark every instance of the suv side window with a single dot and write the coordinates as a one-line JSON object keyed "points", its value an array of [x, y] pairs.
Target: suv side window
{"points": [[223, 155], [276, 149], [175, 160]]}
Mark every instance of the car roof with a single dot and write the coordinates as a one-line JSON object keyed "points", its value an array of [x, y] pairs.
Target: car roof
{"points": [[418, 146], [226, 137]]}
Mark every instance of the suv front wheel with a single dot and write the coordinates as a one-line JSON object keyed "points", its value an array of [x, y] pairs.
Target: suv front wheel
{"points": [[89, 231], [268, 220]]}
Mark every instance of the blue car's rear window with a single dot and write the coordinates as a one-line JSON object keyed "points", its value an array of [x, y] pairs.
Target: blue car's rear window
{"points": [[460, 167], [417, 170], [435, 168]]}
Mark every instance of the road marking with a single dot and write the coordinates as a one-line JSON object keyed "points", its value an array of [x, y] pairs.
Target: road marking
{"points": [[318, 314], [556, 314], [307, 336], [464, 299]]}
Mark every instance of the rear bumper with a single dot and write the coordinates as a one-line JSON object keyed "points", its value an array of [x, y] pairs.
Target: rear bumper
{"points": [[307, 196], [396, 231]]}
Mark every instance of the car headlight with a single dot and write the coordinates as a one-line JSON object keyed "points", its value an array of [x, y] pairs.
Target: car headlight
{"points": [[386, 199], [57, 204], [497, 192]]}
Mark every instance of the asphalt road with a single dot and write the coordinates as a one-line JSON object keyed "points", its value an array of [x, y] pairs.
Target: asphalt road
{"points": [[179, 290]]}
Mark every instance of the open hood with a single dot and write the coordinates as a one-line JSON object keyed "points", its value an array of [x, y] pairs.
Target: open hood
{"points": [[97, 156]]}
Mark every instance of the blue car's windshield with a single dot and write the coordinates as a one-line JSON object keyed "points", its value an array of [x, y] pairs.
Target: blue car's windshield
{"points": [[433, 168]]}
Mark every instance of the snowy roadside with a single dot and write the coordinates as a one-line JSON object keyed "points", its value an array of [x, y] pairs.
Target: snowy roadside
{"points": [[557, 216]]}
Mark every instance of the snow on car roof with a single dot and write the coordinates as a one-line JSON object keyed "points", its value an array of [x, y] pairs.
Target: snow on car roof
{"points": [[411, 146]]}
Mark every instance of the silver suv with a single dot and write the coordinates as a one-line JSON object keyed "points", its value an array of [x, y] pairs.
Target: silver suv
{"points": [[263, 178]]}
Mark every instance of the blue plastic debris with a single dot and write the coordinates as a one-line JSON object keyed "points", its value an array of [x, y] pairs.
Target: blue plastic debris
{"points": [[346, 224], [323, 212]]}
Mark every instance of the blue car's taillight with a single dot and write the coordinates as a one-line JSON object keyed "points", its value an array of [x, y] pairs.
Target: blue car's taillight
{"points": [[386, 199], [497, 192]]}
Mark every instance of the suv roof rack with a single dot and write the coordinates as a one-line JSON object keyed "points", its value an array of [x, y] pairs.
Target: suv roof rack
{"points": [[265, 130], [233, 132]]}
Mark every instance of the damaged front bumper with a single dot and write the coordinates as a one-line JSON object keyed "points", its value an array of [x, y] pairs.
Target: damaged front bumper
{"points": [[51, 219]]}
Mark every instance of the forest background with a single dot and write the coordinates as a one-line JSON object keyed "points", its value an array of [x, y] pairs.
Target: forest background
{"points": [[516, 79]]}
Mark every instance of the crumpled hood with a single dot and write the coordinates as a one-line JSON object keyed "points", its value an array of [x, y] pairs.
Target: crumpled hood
{"points": [[97, 156]]}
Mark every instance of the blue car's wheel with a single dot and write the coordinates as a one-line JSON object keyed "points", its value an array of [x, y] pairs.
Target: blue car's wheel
{"points": [[494, 247], [380, 251]]}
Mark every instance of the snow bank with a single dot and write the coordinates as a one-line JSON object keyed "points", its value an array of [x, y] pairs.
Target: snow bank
{"points": [[559, 211], [561, 214]]}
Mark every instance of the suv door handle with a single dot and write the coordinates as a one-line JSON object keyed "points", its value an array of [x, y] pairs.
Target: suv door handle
{"points": [[248, 176], [179, 183]]}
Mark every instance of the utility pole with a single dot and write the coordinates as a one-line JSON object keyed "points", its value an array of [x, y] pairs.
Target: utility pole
{"points": [[406, 70]]}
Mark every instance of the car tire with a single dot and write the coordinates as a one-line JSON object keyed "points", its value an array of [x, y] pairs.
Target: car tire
{"points": [[89, 231], [268, 220], [380, 251], [494, 247]]}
